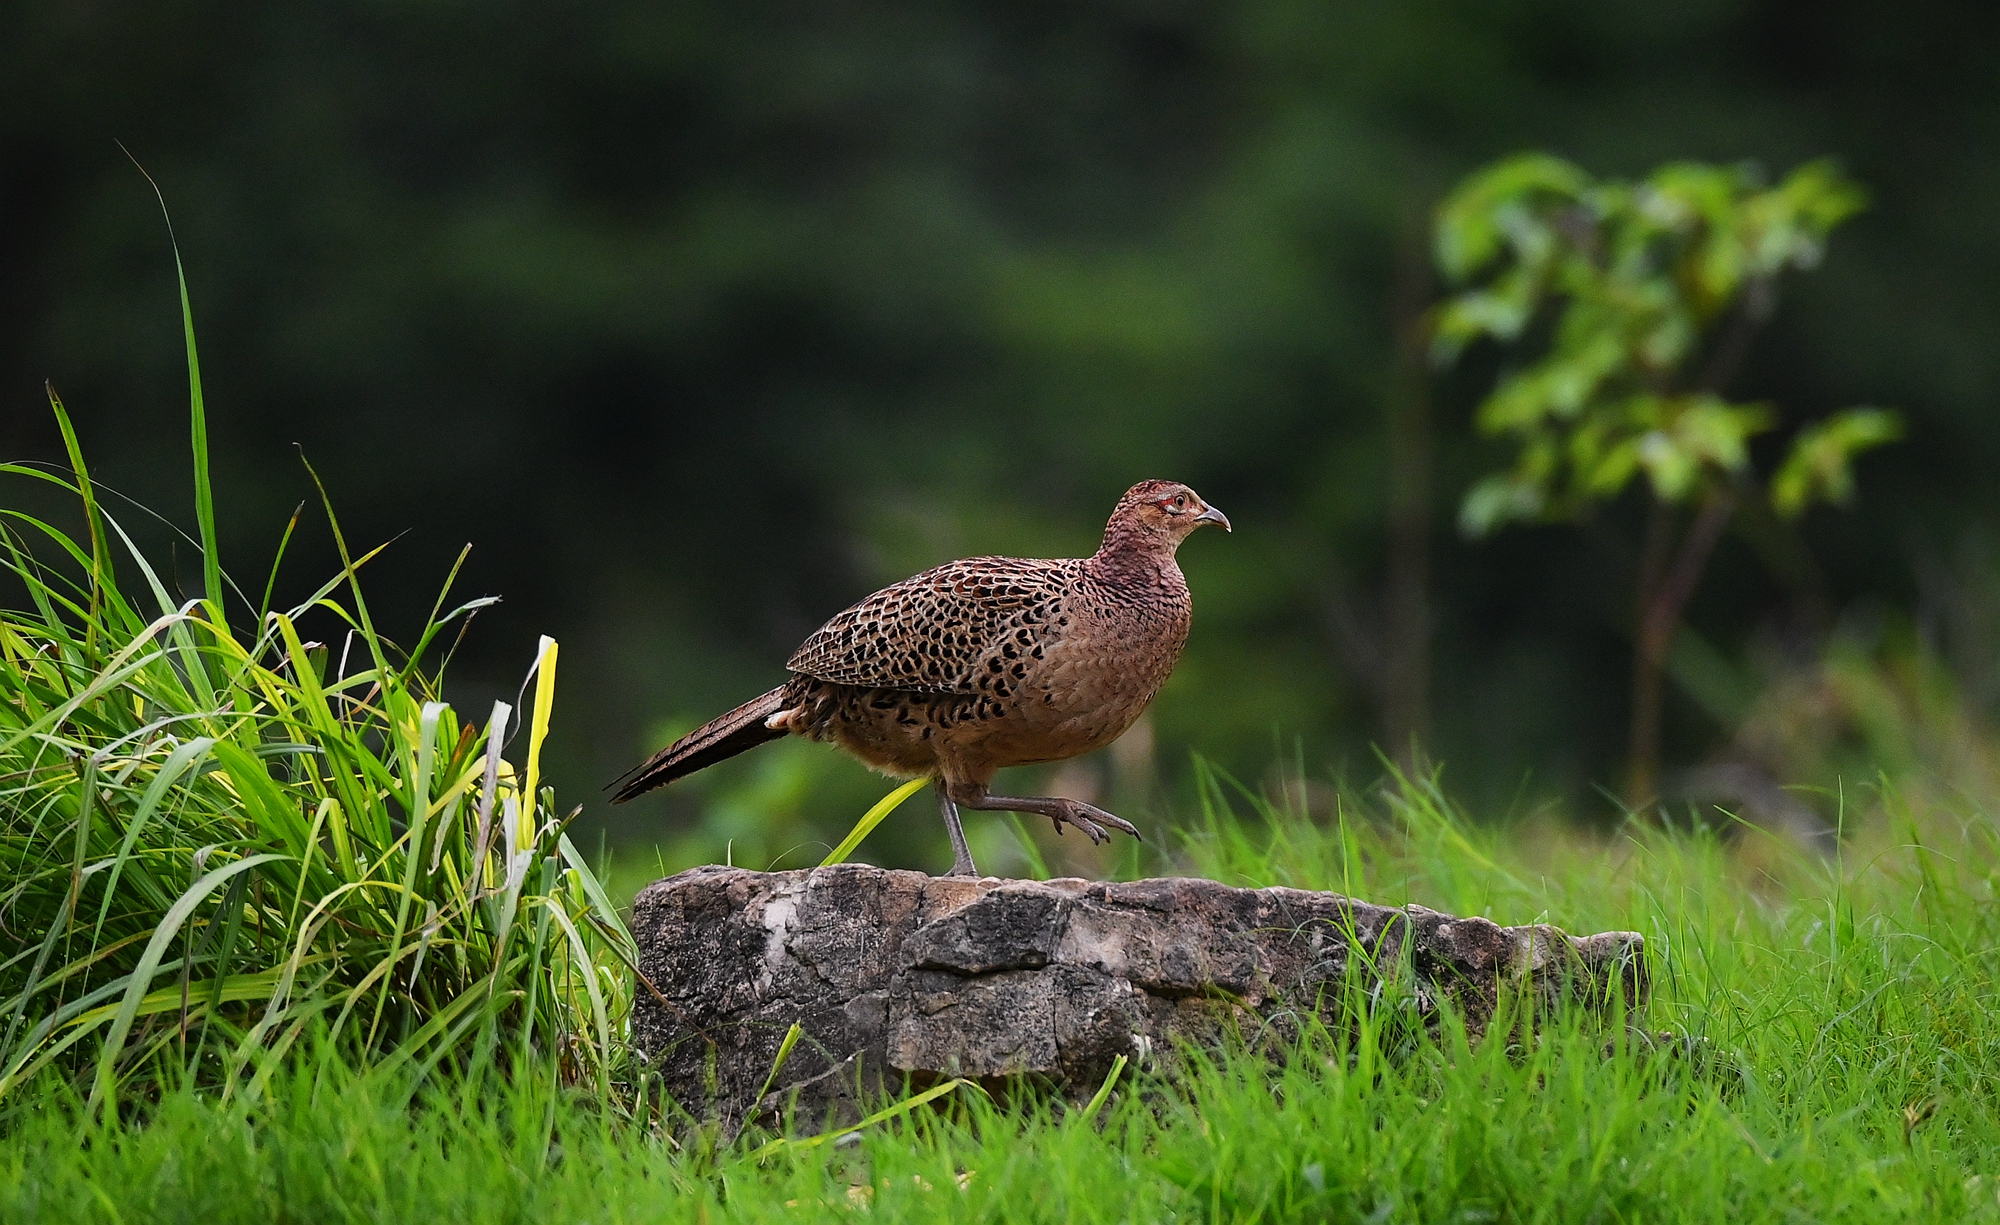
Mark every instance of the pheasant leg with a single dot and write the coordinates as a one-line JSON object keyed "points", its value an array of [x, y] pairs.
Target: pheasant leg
{"points": [[1091, 820], [961, 853]]}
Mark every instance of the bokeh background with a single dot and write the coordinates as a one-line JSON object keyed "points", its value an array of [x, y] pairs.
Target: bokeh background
{"points": [[700, 320]]}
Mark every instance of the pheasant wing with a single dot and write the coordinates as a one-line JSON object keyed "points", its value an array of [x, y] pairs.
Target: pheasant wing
{"points": [[965, 627]]}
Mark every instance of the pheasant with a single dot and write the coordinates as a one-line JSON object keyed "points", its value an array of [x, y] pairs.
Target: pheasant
{"points": [[983, 663]]}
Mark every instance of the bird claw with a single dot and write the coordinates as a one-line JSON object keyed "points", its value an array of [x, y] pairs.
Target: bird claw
{"points": [[1092, 822]]}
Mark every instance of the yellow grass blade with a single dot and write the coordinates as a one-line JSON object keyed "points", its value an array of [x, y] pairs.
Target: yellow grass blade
{"points": [[538, 730]]}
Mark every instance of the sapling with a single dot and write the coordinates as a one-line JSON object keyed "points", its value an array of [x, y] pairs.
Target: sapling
{"points": [[1649, 292]]}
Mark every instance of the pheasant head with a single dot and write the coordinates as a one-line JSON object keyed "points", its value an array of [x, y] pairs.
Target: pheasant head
{"points": [[1155, 516]]}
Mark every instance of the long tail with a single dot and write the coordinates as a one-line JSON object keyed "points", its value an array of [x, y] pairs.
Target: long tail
{"points": [[722, 737]]}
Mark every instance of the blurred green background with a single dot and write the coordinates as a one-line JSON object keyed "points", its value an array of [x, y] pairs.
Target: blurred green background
{"points": [[702, 320]]}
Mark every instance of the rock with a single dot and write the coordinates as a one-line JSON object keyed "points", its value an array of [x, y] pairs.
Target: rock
{"points": [[899, 976]]}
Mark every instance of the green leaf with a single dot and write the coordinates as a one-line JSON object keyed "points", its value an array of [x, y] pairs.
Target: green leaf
{"points": [[1473, 223], [1671, 467], [1820, 465], [1610, 469], [1496, 500], [1717, 432], [1637, 277]]}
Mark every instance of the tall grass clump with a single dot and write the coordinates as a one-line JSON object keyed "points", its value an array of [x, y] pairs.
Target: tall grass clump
{"points": [[218, 836]]}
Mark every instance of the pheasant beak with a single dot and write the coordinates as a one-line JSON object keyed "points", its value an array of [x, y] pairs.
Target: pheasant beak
{"points": [[1211, 515]]}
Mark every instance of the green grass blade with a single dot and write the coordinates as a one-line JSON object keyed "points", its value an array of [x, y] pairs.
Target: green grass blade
{"points": [[872, 818], [587, 969], [179, 762], [59, 925], [1103, 1093], [149, 964], [1036, 863], [791, 1040], [600, 901], [204, 494], [414, 850], [100, 549], [271, 581], [881, 1116]]}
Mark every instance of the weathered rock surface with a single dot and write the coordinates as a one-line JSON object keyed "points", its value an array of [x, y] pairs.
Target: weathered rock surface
{"points": [[896, 975]]}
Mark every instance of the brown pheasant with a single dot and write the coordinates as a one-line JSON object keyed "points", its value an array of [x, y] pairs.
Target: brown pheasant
{"points": [[983, 663]]}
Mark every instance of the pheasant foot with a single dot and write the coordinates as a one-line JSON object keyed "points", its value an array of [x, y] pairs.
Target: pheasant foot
{"points": [[1093, 821]]}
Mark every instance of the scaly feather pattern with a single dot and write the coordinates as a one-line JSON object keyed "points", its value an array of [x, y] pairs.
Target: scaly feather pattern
{"points": [[973, 626]]}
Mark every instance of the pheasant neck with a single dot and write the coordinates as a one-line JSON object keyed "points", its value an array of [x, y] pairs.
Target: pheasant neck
{"points": [[1132, 557]]}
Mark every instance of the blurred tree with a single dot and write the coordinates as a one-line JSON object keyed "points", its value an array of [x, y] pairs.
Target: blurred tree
{"points": [[1650, 291], [702, 320]]}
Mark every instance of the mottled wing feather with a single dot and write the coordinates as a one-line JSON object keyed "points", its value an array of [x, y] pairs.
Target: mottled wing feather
{"points": [[978, 625]]}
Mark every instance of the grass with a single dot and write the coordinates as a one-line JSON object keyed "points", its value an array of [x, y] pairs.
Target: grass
{"points": [[217, 837], [284, 937], [303, 925], [1846, 1007]]}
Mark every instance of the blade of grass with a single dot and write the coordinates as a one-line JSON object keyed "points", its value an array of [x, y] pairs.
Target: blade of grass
{"points": [[204, 494], [869, 820], [1103, 1093], [881, 1116], [149, 963], [791, 1039], [1036, 864], [538, 731], [413, 853], [100, 549]]}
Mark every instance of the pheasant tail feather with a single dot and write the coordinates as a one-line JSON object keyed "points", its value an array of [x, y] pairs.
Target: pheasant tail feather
{"points": [[722, 737]]}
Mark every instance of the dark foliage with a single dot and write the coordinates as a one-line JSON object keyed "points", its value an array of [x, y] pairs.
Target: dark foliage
{"points": [[701, 320]]}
